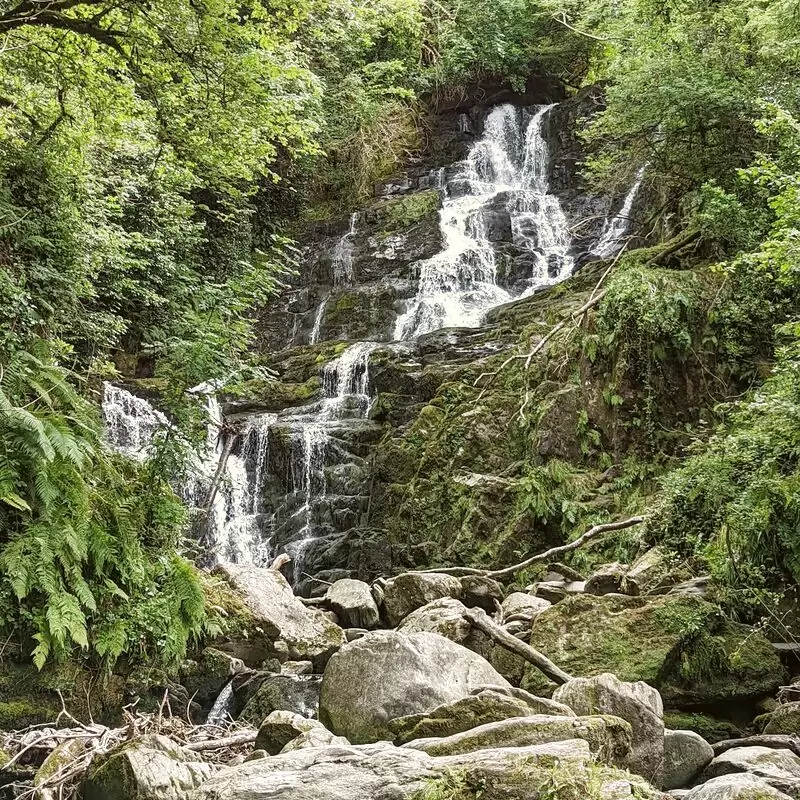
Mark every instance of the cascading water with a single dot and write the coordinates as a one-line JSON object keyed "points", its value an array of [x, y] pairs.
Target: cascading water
{"points": [[346, 399], [234, 530], [221, 711], [232, 527], [318, 468], [130, 421], [505, 170], [611, 239]]}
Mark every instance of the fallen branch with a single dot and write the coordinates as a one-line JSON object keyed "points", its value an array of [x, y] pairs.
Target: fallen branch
{"points": [[678, 243], [593, 533], [481, 620], [227, 449], [774, 741], [245, 737]]}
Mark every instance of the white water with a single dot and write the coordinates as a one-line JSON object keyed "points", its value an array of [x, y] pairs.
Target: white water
{"points": [[458, 285], [233, 529], [342, 267], [130, 421], [611, 238], [345, 383], [223, 706]]}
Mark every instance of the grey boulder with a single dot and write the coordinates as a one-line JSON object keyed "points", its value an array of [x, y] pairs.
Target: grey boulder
{"points": [[149, 768], [636, 703], [353, 604], [412, 590], [488, 705], [308, 633], [384, 772], [686, 755], [609, 738], [779, 768], [390, 674], [739, 786], [280, 728]]}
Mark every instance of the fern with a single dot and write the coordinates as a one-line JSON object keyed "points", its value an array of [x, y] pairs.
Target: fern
{"points": [[89, 551]]}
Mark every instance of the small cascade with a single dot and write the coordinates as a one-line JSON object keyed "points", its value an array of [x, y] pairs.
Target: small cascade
{"points": [[610, 241], [343, 256], [222, 711], [346, 400], [318, 317], [505, 172], [234, 528], [130, 421]]}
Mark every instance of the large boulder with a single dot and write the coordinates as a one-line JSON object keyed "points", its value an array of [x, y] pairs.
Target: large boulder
{"points": [[353, 604], [487, 705], [737, 786], [296, 693], [682, 645], [779, 768], [609, 737], [383, 772], [390, 674], [308, 633], [411, 590], [686, 755], [149, 768], [636, 703]]}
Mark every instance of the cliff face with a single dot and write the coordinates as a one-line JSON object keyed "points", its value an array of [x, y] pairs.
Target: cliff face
{"points": [[390, 447], [403, 428]]}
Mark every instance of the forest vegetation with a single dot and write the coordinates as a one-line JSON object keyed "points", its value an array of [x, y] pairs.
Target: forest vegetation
{"points": [[157, 159]]}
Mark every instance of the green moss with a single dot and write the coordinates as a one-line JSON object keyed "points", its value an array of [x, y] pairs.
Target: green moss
{"points": [[399, 213], [4, 758], [21, 713], [681, 645]]}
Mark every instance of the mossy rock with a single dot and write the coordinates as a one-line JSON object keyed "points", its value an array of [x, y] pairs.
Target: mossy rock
{"points": [[683, 646], [784, 720], [710, 728], [399, 213]]}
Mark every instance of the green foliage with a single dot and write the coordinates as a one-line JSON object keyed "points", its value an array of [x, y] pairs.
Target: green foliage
{"points": [[88, 540], [733, 505]]}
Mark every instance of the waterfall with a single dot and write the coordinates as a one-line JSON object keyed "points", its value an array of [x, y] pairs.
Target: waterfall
{"points": [[318, 317], [345, 383], [130, 421], [343, 256], [505, 171], [610, 241], [223, 706], [233, 524]]}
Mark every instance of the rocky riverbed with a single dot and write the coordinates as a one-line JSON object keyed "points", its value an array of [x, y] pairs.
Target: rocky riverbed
{"points": [[392, 690]]}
